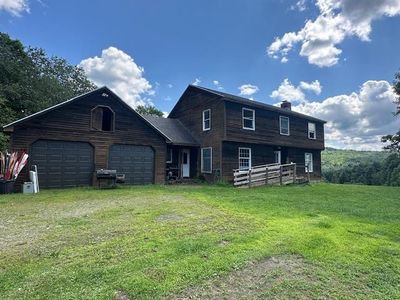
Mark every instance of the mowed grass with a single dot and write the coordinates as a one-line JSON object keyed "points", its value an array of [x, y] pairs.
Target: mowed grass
{"points": [[295, 242]]}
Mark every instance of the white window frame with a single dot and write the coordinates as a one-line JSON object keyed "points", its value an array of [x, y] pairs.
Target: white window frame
{"points": [[253, 119], [211, 160], [280, 125], [315, 131], [311, 169], [204, 119], [279, 156], [169, 156], [249, 158]]}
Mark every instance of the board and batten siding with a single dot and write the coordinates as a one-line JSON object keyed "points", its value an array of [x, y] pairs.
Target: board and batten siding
{"points": [[72, 122]]}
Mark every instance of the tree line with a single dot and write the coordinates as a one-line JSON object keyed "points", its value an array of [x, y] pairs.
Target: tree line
{"points": [[31, 80], [362, 170]]}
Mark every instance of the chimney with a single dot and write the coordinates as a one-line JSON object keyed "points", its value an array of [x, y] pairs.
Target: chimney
{"points": [[286, 105]]}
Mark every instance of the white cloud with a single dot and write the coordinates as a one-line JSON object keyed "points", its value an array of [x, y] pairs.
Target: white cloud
{"points": [[248, 89], [118, 71], [337, 20], [170, 86], [14, 7], [314, 86], [165, 114], [197, 81], [357, 120], [218, 85], [300, 5], [168, 98], [284, 60], [288, 92]]}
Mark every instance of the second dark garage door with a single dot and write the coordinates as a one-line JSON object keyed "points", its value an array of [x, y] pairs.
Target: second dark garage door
{"points": [[136, 162]]}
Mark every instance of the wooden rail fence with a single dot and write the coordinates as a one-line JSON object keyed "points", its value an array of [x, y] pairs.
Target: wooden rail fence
{"points": [[265, 174]]}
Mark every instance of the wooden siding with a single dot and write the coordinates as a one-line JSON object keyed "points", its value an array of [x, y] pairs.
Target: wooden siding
{"points": [[177, 159], [189, 110], [267, 128], [262, 154], [72, 122]]}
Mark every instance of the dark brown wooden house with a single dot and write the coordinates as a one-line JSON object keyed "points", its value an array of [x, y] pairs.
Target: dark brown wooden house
{"points": [[208, 133]]}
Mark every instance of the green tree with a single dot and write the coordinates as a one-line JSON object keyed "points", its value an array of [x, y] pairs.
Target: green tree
{"points": [[149, 110], [394, 139], [31, 81]]}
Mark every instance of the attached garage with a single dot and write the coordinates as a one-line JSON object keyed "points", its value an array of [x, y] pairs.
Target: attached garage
{"points": [[63, 163], [136, 162]]}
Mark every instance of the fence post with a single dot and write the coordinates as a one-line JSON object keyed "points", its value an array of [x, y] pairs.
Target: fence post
{"points": [[308, 172], [249, 178], [266, 175], [280, 174], [294, 173]]}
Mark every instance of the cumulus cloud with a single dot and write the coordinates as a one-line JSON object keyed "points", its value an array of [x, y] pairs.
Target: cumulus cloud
{"points": [[314, 86], [248, 89], [357, 120], [288, 92], [14, 7], [337, 20], [118, 71]]}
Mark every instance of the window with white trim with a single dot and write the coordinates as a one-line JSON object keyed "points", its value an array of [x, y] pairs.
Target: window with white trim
{"points": [[284, 125], [169, 156], [312, 131], [206, 160], [206, 119], [244, 159], [308, 162], [248, 119]]}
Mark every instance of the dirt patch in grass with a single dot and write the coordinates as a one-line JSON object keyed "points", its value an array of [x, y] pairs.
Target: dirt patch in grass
{"points": [[257, 280]]}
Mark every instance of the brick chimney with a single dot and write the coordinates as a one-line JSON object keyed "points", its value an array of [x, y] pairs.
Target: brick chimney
{"points": [[286, 105]]}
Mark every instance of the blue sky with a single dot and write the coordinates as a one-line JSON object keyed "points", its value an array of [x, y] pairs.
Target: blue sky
{"points": [[159, 47]]}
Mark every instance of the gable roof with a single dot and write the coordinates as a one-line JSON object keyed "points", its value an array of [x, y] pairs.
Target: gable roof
{"points": [[173, 129], [104, 89], [253, 103]]}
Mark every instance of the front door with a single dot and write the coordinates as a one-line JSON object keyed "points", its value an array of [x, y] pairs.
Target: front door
{"points": [[185, 163]]}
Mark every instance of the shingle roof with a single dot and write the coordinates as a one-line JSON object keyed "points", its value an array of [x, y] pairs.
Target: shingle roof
{"points": [[173, 130], [253, 103]]}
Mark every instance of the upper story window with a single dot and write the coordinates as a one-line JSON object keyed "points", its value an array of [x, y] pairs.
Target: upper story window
{"points": [[103, 118], [312, 131], [249, 120], [284, 125], [206, 119]]}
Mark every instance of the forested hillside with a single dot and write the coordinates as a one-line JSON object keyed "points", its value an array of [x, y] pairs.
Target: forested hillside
{"points": [[362, 167]]}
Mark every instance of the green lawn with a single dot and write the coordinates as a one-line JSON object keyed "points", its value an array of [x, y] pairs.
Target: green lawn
{"points": [[295, 242]]}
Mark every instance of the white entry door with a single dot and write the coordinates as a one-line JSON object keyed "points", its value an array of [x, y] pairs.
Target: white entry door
{"points": [[185, 163]]}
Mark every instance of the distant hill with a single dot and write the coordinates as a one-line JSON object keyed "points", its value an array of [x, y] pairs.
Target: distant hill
{"points": [[360, 167], [337, 158]]}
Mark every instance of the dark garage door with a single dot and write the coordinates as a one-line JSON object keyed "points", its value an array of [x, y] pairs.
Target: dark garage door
{"points": [[136, 162], [62, 163]]}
